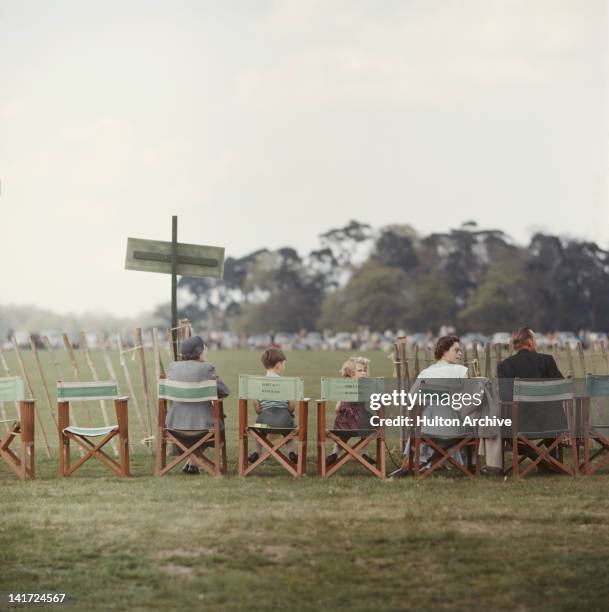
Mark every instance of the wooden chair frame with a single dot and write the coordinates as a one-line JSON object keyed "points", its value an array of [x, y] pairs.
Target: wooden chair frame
{"points": [[522, 447], [350, 451], [299, 434], [441, 456], [23, 464], [217, 437], [120, 468]]}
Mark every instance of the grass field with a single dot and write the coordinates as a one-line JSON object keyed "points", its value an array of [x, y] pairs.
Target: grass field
{"points": [[267, 542]]}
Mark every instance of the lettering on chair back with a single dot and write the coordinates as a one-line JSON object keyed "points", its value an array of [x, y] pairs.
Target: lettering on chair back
{"points": [[350, 389], [281, 388]]}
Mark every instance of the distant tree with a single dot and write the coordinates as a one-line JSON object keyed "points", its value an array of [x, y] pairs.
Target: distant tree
{"points": [[501, 302], [434, 303], [376, 296]]}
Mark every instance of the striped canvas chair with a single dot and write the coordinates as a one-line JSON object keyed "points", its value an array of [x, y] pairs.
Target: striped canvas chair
{"points": [[446, 447], [204, 391], [282, 388], [11, 390], [597, 387], [348, 390], [537, 446], [69, 393]]}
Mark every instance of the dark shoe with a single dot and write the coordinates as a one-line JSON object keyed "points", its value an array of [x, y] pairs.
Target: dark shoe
{"points": [[330, 459], [293, 457], [190, 469], [369, 459], [253, 457], [399, 473]]}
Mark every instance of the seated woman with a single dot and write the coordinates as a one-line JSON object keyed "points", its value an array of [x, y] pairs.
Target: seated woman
{"points": [[449, 358], [188, 419], [352, 415]]}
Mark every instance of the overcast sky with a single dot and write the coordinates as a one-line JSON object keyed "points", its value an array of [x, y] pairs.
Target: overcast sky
{"points": [[265, 123]]}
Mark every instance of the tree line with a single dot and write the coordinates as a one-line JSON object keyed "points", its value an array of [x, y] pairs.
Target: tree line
{"points": [[393, 278]]}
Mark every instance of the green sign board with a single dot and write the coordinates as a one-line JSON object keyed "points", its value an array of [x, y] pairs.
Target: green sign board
{"points": [[350, 389], [282, 388], [11, 389], [193, 259]]}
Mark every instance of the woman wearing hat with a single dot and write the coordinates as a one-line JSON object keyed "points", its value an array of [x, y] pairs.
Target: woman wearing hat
{"points": [[190, 418]]}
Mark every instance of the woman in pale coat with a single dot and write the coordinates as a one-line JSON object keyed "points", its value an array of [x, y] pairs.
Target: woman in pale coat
{"points": [[188, 419]]}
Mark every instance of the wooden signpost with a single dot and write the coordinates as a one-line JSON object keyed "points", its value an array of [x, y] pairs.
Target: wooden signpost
{"points": [[174, 258]]}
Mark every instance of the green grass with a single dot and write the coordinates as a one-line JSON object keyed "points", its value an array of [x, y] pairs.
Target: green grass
{"points": [[268, 541]]}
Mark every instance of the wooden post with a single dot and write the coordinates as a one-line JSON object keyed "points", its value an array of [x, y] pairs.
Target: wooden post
{"points": [[68, 346], [465, 356], [174, 282], [570, 360], [242, 436], [417, 369], [53, 355], [582, 360], [488, 369], [604, 355], [28, 385], [139, 343], [43, 379], [593, 355], [511, 347], [159, 370], [427, 356], [85, 348], [497, 355], [399, 379], [172, 354], [321, 438], [132, 394], [556, 353]]}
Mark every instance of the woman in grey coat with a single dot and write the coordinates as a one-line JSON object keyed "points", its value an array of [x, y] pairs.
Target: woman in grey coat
{"points": [[188, 419]]}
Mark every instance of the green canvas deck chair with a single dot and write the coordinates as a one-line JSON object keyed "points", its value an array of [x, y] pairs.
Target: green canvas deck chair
{"points": [[69, 393], [597, 388], [22, 463], [191, 443], [349, 390], [536, 445], [447, 442], [278, 388]]}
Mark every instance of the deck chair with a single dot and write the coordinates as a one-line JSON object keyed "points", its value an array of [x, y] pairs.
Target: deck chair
{"points": [[597, 387], [446, 446], [536, 446], [349, 390], [272, 388], [22, 463], [204, 391], [70, 392]]}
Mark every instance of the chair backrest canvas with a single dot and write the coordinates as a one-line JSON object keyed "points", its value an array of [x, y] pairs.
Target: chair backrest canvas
{"points": [[11, 389], [597, 386], [83, 391], [542, 390], [176, 391], [350, 389], [281, 388]]}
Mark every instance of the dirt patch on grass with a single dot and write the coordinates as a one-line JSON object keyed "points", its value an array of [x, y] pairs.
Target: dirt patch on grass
{"points": [[191, 553], [180, 571]]}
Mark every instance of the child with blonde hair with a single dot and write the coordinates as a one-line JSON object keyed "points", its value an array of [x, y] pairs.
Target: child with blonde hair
{"points": [[352, 415]]}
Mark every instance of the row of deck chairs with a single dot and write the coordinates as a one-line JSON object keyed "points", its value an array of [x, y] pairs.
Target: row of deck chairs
{"points": [[589, 447]]}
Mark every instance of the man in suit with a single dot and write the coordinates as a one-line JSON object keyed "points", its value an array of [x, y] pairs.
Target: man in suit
{"points": [[544, 418]]}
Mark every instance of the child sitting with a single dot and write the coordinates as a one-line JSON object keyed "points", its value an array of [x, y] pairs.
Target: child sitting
{"points": [[352, 415], [274, 413]]}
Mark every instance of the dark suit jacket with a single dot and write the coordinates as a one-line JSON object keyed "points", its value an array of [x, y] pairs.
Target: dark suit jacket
{"points": [[533, 417]]}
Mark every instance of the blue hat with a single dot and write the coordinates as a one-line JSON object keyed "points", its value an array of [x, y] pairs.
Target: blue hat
{"points": [[191, 348]]}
